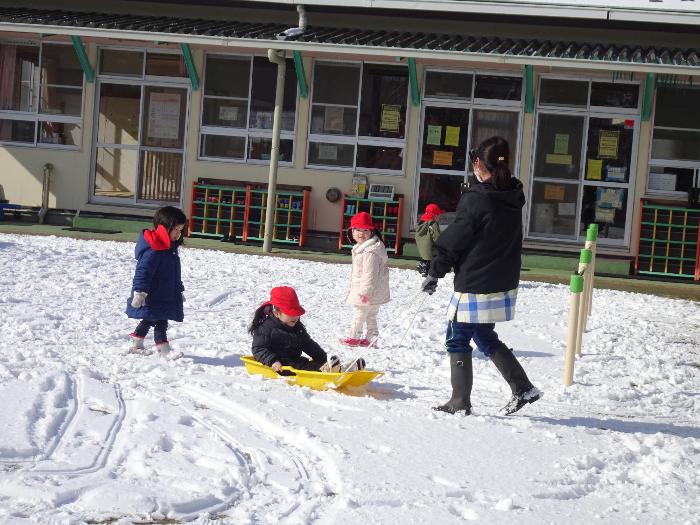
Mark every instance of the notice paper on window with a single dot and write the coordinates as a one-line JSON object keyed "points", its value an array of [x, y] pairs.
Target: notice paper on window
{"points": [[333, 118], [566, 209], [228, 113], [434, 135], [164, 116], [452, 136], [391, 117], [609, 198], [608, 144], [561, 143], [442, 158], [556, 158], [606, 215], [662, 181], [554, 192], [595, 169], [327, 152]]}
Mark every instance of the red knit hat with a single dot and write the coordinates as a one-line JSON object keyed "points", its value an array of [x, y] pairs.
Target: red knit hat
{"points": [[285, 298], [431, 211], [362, 221]]}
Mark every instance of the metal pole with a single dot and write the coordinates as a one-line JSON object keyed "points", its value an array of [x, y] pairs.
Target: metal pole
{"points": [[276, 57]]}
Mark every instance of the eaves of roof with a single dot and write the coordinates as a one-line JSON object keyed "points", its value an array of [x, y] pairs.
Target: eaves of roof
{"points": [[353, 41]]}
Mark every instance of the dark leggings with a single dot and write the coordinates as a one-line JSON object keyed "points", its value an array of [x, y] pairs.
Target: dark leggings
{"points": [[160, 332]]}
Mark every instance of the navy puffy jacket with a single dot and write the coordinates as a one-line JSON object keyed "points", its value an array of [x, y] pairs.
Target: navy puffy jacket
{"points": [[158, 274]]}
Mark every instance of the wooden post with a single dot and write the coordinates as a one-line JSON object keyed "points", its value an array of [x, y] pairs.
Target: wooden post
{"points": [[576, 287], [584, 270], [591, 241]]}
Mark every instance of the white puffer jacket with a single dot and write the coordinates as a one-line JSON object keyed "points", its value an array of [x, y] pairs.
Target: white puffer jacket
{"points": [[370, 276]]}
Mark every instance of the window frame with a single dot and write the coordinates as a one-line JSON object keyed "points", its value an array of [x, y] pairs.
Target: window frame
{"points": [[38, 117], [248, 132], [472, 104], [669, 162], [355, 140], [587, 112]]}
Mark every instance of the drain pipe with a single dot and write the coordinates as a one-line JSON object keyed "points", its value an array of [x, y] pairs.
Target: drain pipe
{"points": [[48, 170], [276, 57]]}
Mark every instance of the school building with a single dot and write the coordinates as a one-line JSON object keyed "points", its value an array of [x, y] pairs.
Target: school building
{"points": [[117, 107]]}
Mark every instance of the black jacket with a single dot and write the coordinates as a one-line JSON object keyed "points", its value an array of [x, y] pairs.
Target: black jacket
{"points": [[484, 242], [275, 341]]}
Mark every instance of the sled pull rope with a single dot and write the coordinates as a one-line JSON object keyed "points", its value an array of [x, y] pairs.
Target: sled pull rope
{"points": [[420, 305]]}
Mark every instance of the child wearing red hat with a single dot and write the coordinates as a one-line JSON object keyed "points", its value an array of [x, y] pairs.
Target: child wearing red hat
{"points": [[369, 280], [280, 338], [427, 233]]}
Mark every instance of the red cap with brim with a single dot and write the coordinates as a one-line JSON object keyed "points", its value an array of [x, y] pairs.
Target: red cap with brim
{"points": [[362, 221], [431, 211], [286, 300]]}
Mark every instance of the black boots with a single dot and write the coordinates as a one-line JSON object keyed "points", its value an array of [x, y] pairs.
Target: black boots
{"points": [[461, 376], [515, 376]]}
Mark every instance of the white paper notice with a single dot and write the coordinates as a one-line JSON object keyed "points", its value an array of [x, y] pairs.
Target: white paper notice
{"points": [[164, 116], [229, 113], [327, 152]]}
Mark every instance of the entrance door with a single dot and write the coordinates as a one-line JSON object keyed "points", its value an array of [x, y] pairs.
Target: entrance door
{"points": [[139, 143]]}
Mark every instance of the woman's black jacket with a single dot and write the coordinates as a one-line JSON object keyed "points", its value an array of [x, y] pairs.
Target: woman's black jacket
{"points": [[484, 242]]}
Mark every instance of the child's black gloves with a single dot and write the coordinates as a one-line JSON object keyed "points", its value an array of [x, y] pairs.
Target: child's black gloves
{"points": [[429, 285]]}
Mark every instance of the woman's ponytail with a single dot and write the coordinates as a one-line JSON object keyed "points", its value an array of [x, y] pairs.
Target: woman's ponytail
{"points": [[495, 153]]}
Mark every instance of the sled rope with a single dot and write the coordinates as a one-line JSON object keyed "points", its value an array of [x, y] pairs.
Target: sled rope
{"points": [[391, 323]]}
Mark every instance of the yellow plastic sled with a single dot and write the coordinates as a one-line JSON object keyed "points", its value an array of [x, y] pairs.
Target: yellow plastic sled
{"points": [[314, 380]]}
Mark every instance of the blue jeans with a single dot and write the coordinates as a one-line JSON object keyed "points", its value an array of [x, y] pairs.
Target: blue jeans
{"points": [[160, 332], [460, 334]]}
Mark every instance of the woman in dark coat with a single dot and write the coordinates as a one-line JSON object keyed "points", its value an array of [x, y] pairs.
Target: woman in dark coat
{"points": [[483, 245]]}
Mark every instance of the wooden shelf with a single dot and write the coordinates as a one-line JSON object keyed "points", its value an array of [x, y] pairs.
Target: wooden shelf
{"points": [[385, 214], [669, 241], [238, 212]]}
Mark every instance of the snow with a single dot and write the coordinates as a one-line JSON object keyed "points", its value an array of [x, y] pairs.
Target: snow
{"points": [[91, 434]]}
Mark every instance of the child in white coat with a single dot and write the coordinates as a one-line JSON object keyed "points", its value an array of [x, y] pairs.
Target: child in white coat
{"points": [[369, 282]]}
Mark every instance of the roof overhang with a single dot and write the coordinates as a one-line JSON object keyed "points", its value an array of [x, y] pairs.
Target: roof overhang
{"points": [[336, 41]]}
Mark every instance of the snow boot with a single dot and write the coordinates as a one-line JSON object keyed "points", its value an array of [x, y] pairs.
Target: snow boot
{"points": [[353, 341], [136, 345], [331, 366], [354, 365], [512, 371], [461, 378], [519, 401], [165, 351]]}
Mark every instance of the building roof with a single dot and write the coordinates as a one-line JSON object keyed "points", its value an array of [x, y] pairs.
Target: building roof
{"points": [[346, 40], [683, 12]]}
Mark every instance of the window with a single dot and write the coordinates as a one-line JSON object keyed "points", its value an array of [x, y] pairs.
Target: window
{"points": [[460, 110], [583, 162], [237, 115], [358, 117], [41, 95], [674, 167]]}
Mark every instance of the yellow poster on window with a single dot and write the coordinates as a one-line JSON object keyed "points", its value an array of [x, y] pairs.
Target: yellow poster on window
{"points": [[442, 158], [434, 135], [595, 169], [608, 144], [553, 192], [391, 117], [452, 136], [556, 158], [561, 143]]}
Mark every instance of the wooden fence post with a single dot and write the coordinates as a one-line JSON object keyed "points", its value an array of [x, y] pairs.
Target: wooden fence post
{"points": [[576, 287]]}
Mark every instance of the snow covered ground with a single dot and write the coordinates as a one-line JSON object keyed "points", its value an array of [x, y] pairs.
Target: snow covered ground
{"points": [[89, 434]]}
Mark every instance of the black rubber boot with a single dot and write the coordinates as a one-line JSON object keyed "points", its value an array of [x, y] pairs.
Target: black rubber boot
{"points": [[510, 369], [461, 377]]}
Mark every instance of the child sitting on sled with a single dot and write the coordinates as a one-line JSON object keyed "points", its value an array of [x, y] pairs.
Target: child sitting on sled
{"points": [[280, 338]]}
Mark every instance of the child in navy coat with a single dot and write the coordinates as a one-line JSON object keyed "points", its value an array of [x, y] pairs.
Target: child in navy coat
{"points": [[157, 291]]}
